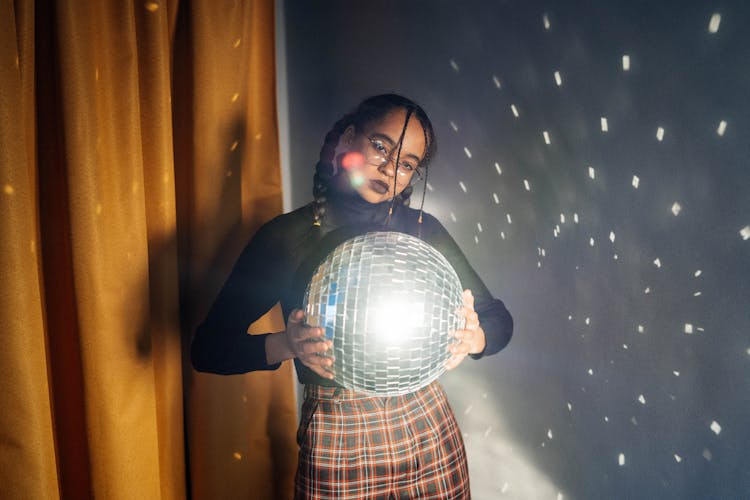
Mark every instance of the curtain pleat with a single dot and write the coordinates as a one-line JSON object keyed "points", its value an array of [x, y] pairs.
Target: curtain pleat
{"points": [[233, 184], [27, 451], [138, 153]]}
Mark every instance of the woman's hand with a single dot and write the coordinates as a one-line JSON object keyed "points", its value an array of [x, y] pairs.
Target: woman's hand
{"points": [[306, 343], [471, 337]]}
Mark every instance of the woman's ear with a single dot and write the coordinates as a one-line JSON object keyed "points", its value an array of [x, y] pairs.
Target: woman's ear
{"points": [[347, 137], [343, 146]]}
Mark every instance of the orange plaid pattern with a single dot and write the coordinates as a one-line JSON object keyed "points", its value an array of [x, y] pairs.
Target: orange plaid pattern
{"points": [[354, 446]]}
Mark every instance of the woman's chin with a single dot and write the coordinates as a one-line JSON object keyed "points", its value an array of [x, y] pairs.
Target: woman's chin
{"points": [[372, 196]]}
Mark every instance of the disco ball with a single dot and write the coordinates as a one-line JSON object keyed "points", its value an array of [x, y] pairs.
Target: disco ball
{"points": [[389, 302]]}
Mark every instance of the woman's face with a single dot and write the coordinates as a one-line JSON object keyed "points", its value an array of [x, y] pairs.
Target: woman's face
{"points": [[369, 156]]}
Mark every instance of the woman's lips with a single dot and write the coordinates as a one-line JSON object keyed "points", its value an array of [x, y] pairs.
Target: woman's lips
{"points": [[379, 186]]}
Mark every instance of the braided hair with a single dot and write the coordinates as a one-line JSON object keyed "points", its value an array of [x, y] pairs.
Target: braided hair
{"points": [[368, 111]]}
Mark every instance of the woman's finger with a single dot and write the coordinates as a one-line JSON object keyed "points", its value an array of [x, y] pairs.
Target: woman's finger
{"points": [[315, 347], [454, 361], [306, 333], [468, 299]]}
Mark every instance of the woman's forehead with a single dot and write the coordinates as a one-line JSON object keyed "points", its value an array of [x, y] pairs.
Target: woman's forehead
{"points": [[392, 124]]}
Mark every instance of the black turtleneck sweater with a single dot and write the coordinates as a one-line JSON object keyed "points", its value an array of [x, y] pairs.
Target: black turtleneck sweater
{"points": [[278, 262]]}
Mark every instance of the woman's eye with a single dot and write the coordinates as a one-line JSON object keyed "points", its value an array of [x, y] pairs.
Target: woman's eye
{"points": [[380, 148], [407, 166]]}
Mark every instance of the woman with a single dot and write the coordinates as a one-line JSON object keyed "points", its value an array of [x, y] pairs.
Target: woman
{"points": [[353, 445]]}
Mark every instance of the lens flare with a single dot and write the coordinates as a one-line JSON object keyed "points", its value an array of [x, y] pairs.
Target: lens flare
{"points": [[352, 160]]}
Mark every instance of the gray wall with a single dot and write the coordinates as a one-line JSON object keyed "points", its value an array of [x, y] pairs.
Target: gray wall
{"points": [[579, 387]]}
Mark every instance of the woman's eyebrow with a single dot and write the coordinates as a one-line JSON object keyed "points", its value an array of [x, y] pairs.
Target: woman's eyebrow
{"points": [[392, 143], [383, 137]]}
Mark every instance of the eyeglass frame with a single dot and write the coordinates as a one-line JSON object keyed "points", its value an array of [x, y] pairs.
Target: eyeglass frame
{"points": [[378, 159]]}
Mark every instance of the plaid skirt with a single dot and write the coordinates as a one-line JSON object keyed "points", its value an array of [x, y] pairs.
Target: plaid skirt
{"points": [[354, 446]]}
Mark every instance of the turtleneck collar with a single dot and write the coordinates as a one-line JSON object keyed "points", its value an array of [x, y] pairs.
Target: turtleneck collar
{"points": [[349, 208]]}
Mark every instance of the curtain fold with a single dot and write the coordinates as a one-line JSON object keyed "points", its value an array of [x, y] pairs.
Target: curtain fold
{"points": [[26, 433], [230, 181], [116, 215]]}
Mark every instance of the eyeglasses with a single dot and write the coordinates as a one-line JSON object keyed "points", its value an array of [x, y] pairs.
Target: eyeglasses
{"points": [[379, 153]]}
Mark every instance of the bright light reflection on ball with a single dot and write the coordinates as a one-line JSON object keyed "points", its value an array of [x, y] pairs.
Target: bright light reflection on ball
{"points": [[389, 302]]}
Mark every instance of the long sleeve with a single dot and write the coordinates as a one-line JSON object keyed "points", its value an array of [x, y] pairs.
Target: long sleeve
{"points": [[494, 318], [222, 344]]}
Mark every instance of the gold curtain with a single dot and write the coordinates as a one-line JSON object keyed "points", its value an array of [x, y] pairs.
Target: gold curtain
{"points": [[138, 153]]}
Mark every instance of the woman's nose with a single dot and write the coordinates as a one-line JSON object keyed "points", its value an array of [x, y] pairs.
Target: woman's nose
{"points": [[388, 167]]}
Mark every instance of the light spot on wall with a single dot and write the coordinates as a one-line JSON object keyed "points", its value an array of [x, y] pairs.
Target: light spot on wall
{"points": [[462, 186], [235, 96], [626, 62], [612, 236], [745, 233], [676, 209], [657, 262], [722, 128], [642, 399], [468, 153], [498, 169], [604, 124], [546, 137], [715, 427], [621, 459], [496, 81], [237, 43], [151, 6], [237, 455], [688, 329], [592, 173], [526, 185], [714, 22], [514, 109], [545, 21], [636, 182], [8, 189], [558, 78], [660, 134], [496, 198], [454, 65]]}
